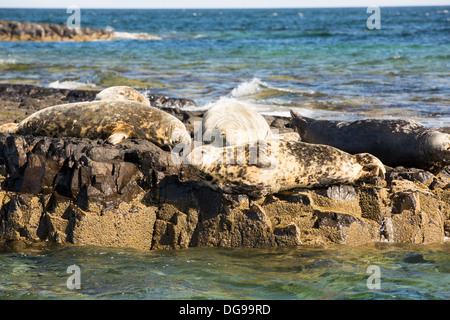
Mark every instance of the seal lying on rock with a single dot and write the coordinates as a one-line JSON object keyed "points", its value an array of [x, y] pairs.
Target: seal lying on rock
{"points": [[258, 169], [122, 93], [112, 120], [229, 122], [395, 142]]}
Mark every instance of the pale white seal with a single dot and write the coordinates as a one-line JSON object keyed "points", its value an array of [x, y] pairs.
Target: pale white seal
{"points": [[229, 122]]}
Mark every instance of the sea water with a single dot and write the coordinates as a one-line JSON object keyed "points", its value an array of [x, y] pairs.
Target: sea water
{"points": [[322, 63], [403, 271]]}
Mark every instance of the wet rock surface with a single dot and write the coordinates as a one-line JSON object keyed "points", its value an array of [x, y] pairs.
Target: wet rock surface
{"points": [[88, 192]]}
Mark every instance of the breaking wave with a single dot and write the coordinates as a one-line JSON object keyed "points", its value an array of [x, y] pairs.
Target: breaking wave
{"points": [[70, 85], [135, 35], [255, 87]]}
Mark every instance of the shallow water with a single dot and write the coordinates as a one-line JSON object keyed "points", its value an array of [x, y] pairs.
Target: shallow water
{"points": [[320, 62], [304, 272]]}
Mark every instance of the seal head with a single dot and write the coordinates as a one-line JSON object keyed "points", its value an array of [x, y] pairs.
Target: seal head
{"points": [[122, 93], [435, 149]]}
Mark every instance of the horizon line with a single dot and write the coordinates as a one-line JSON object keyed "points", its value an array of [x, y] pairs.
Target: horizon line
{"points": [[230, 8]]}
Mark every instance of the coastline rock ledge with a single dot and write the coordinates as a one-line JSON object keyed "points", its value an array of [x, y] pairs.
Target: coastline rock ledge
{"points": [[28, 31], [87, 192]]}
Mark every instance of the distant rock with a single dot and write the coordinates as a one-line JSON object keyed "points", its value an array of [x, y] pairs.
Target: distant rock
{"points": [[29, 31]]}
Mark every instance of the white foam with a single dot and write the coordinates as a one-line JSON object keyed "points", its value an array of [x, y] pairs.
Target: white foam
{"points": [[247, 94], [135, 35], [254, 87], [70, 85], [248, 88], [8, 60], [269, 109]]}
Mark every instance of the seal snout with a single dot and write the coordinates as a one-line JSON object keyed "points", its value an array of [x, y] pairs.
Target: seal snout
{"points": [[9, 128]]}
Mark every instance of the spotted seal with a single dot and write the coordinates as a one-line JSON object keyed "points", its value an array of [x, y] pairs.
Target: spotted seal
{"points": [[229, 122], [112, 120], [266, 167], [121, 93], [395, 142]]}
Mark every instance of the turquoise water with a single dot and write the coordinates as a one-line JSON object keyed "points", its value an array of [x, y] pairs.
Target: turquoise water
{"points": [[320, 62], [329, 272]]}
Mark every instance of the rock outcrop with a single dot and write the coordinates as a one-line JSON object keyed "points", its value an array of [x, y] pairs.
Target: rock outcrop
{"points": [[87, 192], [29, 31]]}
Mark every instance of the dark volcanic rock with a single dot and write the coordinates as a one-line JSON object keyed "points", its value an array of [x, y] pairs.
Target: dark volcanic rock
{"points": [[65, 166]]}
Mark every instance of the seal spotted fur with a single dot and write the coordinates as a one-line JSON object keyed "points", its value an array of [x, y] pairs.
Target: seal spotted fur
{"points": [[112, 120], [121, 93], [276, 165], [395, 142]]}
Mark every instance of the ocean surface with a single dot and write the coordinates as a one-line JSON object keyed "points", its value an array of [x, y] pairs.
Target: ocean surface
{"points": [[320, 62], [323, 63]]}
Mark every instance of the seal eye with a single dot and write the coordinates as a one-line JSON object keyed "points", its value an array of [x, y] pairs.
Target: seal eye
{"points": [[208, 177]]}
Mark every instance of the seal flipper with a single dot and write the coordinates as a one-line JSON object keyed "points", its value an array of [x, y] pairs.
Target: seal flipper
{"points": [[371, 165], [9, 128]]}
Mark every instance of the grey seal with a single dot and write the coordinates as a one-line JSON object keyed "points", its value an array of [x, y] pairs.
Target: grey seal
{"points": [[395, 142], [111, 120], [267, 167]]}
